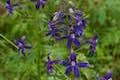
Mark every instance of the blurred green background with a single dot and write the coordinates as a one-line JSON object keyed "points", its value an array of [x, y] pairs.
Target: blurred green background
{"points": [[103, 18]]}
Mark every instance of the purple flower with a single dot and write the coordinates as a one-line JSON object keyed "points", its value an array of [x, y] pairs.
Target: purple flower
{"points": [[40, 3], [80, 23], [53, 31], [73, 65], [9, 6], [78, 30], [93, 42], [107, 76], [59, 16], [72, 39], [50, 64], [78, 15], [21, 44]]}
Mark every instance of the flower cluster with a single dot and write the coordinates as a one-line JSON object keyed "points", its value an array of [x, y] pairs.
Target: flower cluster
{"points": [[69, 25]]}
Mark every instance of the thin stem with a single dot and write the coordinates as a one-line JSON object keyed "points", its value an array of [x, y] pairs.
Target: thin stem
{"points": [[61, 72], [8, 41], [38, 65]]}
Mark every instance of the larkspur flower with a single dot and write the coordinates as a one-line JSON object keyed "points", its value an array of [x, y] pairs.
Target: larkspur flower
{"points": [[93, 42], [71, 38], [50, 64], [78, 30], [59, 16], [53, 31], [78, 16], [9, 6], [21, 44], [80, 23], [73, 65], [40, 3], [107, 76]]}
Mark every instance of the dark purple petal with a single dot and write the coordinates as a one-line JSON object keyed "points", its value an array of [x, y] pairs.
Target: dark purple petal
{"points": [[50, 68], [49, 33], [68, 70], [9, 6], [64, 63], [83, 23], [8, 1], [76, 71], [69, 43], [38, 5], [93, 43], [108, 75], [83, 64], [76, 42], [23, 52], [72, 57], [78, 30]]}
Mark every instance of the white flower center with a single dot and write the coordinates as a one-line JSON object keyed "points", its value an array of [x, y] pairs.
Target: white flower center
{"points": [[20, 45], [72, 36], [71, 10], [73, 63]]}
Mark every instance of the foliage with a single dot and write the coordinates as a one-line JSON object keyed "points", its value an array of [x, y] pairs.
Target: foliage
{"points": [[103, 19]]}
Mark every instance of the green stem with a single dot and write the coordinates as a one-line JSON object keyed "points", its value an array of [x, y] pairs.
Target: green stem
{"points": [[61, 72], [38, 65], [8, 41]]}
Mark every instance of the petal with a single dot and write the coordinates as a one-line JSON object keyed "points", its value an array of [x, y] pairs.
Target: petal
{"points": [[23, 52], [83, 64], [64, 63], [76, 42], [72, 57], [108, 75], [38, 5], [69, 43], [49, 33], [76, 71], [68, 70], [49, 69]]}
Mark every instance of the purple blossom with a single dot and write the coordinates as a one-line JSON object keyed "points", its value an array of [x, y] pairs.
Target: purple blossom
{"points": [[107, 76], [78, 16], [21, 44], [93, 42], [40, 3], [78, 29], [50, 64], [71, 38], [73, 65], [9, 6], [80, 23], [59, 16], [53, 31]]}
